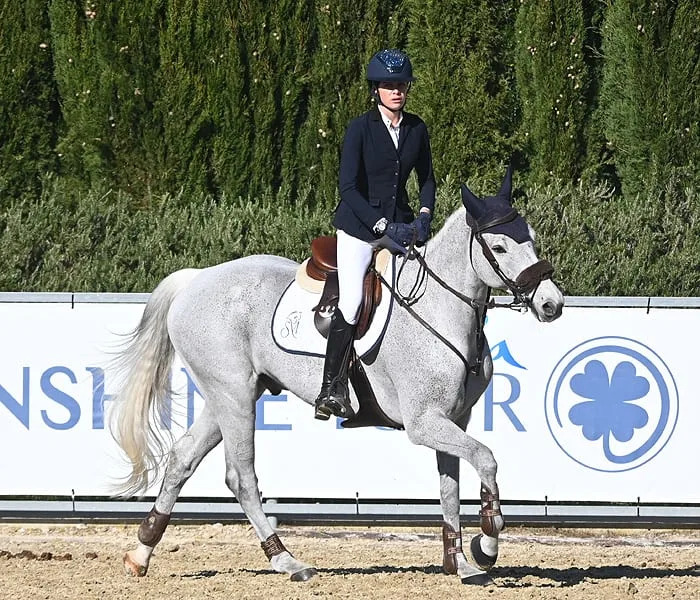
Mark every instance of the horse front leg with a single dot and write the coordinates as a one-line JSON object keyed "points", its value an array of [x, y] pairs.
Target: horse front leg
{"points": [[184, 458], [484, 546], [454, 562], [436, 431]]}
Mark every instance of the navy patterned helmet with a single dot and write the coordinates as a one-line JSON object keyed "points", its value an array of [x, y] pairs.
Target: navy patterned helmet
{"points": [[390, 65]]}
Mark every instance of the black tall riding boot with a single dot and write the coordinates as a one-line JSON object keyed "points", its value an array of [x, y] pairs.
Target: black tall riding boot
{"points": [[334, 398]]}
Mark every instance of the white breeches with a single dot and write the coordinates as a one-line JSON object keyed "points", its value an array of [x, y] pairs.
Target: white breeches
{"points": [[354, 256]]}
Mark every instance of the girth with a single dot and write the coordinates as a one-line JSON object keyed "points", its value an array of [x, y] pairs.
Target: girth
{"points": [[323, 266]]}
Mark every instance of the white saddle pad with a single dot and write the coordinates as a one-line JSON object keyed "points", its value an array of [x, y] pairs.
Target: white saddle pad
{"points": [[293, 327]]}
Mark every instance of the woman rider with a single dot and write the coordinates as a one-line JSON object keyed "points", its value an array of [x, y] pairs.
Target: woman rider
{"points": [[380, 149]]}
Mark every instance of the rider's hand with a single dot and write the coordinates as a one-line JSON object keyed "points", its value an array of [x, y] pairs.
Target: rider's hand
{"points": [[422, 225], [401, 233]]}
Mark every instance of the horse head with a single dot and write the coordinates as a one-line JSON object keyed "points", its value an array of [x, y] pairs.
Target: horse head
{"points": [[502, 251]]}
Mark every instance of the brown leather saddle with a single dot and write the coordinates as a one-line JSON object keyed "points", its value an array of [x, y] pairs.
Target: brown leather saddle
{"points": [[323, 266]]}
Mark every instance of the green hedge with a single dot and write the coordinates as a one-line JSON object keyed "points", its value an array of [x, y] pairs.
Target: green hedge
{"points": [[94, 242]]}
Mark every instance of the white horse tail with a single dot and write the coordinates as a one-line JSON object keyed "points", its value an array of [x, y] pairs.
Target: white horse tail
{"points": [[144, 367]]}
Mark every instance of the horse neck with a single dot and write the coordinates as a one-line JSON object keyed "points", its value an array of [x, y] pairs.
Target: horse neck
{"points": [[449, 256]]}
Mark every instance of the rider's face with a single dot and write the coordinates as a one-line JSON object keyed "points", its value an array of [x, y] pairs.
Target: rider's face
{"points": [[393, 94]]}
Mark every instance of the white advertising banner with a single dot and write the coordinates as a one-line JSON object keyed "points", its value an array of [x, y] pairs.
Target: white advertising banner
{"points": [[601, 405]]}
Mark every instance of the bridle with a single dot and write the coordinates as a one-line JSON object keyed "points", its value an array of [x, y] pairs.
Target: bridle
{"points": [[522, 288], [528, 280]]}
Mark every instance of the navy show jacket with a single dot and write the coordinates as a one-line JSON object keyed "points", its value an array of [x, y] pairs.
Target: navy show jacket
{"points": [[373, 173]]}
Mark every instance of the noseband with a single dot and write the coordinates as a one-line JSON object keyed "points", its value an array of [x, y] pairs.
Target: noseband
{"points": [[528, 280]]}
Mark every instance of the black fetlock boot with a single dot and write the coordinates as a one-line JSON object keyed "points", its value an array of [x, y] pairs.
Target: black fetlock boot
{"points": [[334, 398]]}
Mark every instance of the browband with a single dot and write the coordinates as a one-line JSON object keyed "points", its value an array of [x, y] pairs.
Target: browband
{"points": [[497, 220]]}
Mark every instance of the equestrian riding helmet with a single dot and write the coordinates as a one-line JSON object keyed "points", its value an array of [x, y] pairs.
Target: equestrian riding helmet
{"points": [[389, 65]]}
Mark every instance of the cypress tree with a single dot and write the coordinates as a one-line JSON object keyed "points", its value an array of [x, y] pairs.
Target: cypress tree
{"points": [[128, 54], [106, 59], [336, 93], [83, 146], [29, 111], [293, 37], [347, 34], [464, 88], [555, 84], [229, 98], [682, 97], [259, 46], [190, 49], [649, 95]]}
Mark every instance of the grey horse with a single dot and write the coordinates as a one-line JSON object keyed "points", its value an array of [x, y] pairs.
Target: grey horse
{"points": [[218, 321]]}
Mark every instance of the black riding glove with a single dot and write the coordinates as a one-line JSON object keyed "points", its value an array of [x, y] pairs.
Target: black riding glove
{"points": [[401, 233], [422, 225]]}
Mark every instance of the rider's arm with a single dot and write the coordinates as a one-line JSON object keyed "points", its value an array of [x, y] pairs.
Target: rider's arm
{"points": [[349, 176]]}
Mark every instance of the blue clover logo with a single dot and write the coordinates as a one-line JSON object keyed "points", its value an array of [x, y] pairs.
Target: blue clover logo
{"points": [[611, 404], [609, 411]]}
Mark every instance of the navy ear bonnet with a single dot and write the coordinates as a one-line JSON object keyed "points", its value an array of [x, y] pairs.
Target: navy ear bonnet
{"points": [[495, 214]]}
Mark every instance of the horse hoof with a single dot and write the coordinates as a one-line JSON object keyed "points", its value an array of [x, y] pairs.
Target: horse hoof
{"points": [[481, 579], [304, 574], [132, 568], [483, 561]]}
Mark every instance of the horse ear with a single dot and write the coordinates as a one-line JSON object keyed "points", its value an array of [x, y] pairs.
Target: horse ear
{"points": [[507, 185], [471, 202]]}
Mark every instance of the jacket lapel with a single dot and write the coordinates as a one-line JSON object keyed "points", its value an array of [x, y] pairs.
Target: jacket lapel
{"points": [[381, 134], [404, 132]]}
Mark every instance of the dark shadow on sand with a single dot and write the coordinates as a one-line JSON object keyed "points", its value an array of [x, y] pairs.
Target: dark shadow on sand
{"points": [[514, 576], [510, 577]]}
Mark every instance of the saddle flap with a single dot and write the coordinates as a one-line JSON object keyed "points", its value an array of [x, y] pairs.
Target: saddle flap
{"points": [[324, 257], [370, 414], [371, 297]]}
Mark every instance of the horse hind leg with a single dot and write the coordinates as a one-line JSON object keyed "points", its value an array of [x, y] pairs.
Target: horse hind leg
{"points": [[237, 423], [184, 458]]}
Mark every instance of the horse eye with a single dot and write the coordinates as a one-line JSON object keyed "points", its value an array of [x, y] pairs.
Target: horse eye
{"points": [[498, 249]]}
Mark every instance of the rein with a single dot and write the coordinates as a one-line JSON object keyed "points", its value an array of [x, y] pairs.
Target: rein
{"points": [[406, 302], [525, 283]]}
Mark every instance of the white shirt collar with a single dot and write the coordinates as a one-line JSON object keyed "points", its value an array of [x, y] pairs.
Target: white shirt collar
{"points": [[393, 129], [387, 120]]}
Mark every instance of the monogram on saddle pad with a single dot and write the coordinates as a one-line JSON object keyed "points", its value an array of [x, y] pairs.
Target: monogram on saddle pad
{"points": [[322, 266]]}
